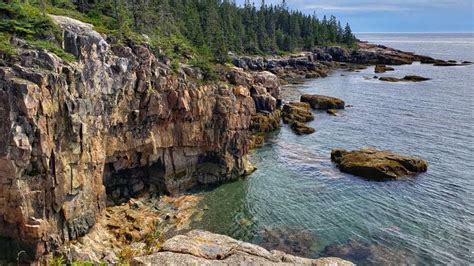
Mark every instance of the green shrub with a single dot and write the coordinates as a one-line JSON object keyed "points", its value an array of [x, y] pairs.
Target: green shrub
{"points": [[5, 46], [30, 23]]}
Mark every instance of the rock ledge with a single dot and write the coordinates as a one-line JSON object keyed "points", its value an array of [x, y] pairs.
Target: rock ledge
{"points": [[205, 248]]}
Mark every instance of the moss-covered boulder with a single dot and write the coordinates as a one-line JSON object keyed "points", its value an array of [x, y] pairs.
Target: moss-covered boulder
{"points": [[377, 165], [321, 102], [297, 111], [301, 129]]}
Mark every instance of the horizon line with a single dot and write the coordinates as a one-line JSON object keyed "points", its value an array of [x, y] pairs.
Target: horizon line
{"points": [[471, 32]]}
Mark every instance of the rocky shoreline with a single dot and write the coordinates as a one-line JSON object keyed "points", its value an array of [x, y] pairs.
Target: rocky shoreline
{"points": [[78, 137]]}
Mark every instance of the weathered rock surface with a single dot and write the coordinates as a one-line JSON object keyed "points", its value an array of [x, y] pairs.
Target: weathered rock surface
{"points": [[320, 61], [204, 248], [113, 124], [301, 129], [296, 114], [411, 78], [377, 165], [321, 102], [297, 111]]}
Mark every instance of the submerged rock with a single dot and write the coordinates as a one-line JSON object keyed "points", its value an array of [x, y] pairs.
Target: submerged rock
{"points": [[371, 254], [377, 165], [205, 248], [321, 102], [293, 240]]}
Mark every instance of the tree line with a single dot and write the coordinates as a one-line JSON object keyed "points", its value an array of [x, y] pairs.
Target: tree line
{"points": [[219, 26]]}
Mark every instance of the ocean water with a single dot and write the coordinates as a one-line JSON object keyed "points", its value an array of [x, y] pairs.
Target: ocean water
{"points": [[300, 202]]}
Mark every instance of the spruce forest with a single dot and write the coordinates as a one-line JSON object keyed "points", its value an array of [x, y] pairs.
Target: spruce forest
{"points": [[209, 28]]}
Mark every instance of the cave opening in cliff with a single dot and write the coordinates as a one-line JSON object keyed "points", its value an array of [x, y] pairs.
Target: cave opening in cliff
{"points": [[123, 184]]}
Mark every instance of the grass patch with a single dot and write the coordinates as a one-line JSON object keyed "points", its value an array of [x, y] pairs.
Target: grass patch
{"points": [[30, 23], [6, 48]]}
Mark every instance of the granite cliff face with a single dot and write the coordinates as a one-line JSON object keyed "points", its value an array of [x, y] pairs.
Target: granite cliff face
{"points": [[74, 136]]}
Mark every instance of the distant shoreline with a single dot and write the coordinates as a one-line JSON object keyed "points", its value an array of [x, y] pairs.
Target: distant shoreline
{"points": [[413, 33]]}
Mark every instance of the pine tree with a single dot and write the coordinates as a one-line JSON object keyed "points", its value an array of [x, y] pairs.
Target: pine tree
{"points": [[349, 38]]}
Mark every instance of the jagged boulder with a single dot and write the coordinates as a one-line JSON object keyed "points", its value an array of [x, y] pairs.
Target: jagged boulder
{"points": [[377, 165], [321, 102], [205, 248]]}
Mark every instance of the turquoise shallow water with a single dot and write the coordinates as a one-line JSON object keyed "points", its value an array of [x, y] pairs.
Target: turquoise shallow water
{"points": [[298, 200]]}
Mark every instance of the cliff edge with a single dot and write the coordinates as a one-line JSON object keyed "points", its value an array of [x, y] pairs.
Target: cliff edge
{"points": [[118, 121]]}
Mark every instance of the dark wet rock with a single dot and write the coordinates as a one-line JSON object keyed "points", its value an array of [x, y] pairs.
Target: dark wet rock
{"points": [[415, 78], [321, 102], [444, 63], [411, 78], [390, 79], [301, 129], [450, 63], [368, 254], [377, 165]]}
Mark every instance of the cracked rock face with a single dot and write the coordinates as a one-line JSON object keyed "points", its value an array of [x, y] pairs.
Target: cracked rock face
{"points": [[205, 248], [114, 123]]}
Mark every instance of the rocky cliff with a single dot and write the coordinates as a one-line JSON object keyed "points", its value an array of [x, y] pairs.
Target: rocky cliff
{"points": [[74, 136]]}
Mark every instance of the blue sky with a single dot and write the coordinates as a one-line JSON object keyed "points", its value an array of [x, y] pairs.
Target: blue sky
{"points": [[393, 15]]}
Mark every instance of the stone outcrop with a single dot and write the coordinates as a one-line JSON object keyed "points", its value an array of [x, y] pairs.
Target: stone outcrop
{"points": [[301, 129], [297, 111], [321, 102], [113, 124], [320, 61], [296, 114], [204, 248], [377, 165], [411, 78]]}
